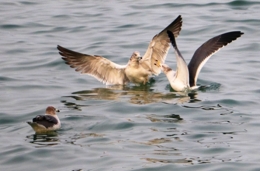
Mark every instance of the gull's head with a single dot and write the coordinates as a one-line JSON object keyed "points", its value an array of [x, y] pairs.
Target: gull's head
{"points": [[135, 56], [50, 110], [166, 68]]}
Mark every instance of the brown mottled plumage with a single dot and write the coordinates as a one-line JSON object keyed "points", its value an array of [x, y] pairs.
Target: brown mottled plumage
{"points": [[137, 70]]}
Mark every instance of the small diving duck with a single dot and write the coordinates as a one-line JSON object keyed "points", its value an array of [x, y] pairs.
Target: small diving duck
{"points": [[47, 122]]}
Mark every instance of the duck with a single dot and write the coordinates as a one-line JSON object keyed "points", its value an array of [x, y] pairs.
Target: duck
{"points": [[48, 122], [138, 70], [185, 77]]}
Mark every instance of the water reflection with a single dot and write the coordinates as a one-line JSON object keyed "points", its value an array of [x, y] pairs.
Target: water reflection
{"points": [[135, 94], [43, 140], [171, 118], [176, 161], [155, 141], [224, 110], [82, 139], [212, 86]]}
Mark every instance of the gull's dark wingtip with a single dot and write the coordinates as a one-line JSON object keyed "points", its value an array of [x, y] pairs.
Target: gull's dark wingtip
{"points": [[230, 36], [179, 18], [238, 33], [60, 48], [61, 51], [206, 50], [61, 54], [174, 26], [172, 38], [241, 33]]}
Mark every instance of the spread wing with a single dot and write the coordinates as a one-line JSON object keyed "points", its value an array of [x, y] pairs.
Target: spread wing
{"points": [[159, 46], [206, 50], [45, 120], [99, 67], [182, 72]]}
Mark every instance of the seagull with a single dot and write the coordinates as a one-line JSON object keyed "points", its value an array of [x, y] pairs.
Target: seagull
{"points": [[137, 70], [47, 122], [185, 78]]}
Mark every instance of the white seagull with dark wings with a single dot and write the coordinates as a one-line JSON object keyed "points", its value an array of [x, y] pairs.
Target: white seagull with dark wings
{"points": [[47, 122], [137, 70], [186, 76]]}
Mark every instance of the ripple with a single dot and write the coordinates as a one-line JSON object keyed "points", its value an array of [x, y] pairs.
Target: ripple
{"points": [[11, 26], [129, 127], [28, 3], [242, 3], [44, 140]]}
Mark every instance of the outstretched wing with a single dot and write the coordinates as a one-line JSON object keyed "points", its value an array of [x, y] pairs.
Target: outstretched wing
{"points": [[159, 47], [206, 50], [182, 73], [99, 67], [45, 120]]}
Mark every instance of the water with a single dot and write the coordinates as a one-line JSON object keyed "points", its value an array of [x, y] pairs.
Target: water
{"points": [[139, 127]]}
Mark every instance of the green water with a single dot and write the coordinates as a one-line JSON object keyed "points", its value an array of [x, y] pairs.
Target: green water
{"points": [[141, 128]]}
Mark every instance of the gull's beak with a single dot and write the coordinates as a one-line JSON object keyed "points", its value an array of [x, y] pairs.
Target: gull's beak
{"points": [[163, 66], [157, 63]]}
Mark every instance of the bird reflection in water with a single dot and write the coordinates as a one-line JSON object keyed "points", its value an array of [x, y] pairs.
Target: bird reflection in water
{"points": [[43, 140], [143, 94], [73, 140], [177, 161], [171, 118]]}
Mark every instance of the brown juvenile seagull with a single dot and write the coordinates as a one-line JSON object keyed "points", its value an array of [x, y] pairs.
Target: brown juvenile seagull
{"points": [[186, 76], [48, 122], [137, 70]]}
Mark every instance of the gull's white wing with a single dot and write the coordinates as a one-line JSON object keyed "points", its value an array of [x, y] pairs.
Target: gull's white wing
{"points": [[99, 67], [206, 50], [159, 47], [182, 73]]}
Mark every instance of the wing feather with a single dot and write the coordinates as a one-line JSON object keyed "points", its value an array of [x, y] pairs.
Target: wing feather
{"points": [[99, 67], [45, 120], [206, 50], [159, 46], [182, 73]]}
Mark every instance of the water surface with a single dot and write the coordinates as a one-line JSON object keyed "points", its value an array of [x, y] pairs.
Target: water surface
{"points": [[136, 127]]}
